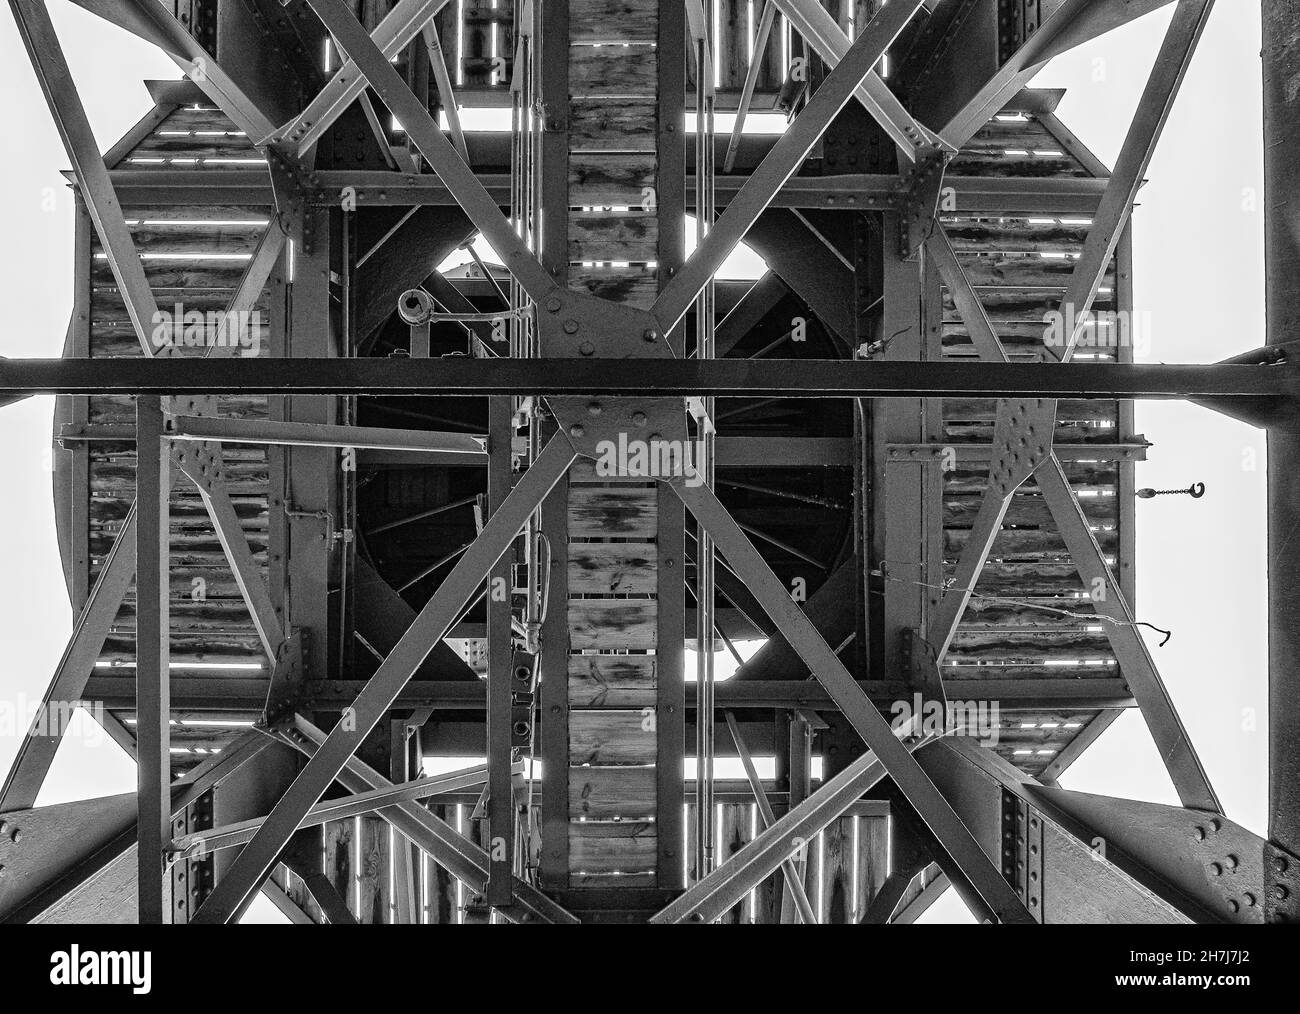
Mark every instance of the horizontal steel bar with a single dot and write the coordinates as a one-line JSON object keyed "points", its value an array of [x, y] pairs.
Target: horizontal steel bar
{"points": [[984, 452], [381, 188], [256, 431], [209, 693], [651, 378], [201, 843]]}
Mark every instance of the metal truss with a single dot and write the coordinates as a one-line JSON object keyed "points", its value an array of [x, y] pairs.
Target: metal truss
{"points": [[1017, 850]]}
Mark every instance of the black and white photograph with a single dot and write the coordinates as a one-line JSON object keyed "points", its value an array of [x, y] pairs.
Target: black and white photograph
{"points": [[649, 462]]}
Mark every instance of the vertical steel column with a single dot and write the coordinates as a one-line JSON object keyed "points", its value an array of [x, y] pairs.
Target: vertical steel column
{"points": [[153, 703], [704, 557], [1281, 53], [78, 344], [670, 655], [800, 752], [899, 536], [552, 49], [500, 808], [309, 498]]}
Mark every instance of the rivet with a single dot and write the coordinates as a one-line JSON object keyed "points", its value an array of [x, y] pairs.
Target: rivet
{"points": [[650, 334], [638, 418], [586, 348], [570, 327], [594, 408], [1216, 870], [576, 430], [553, 304]]}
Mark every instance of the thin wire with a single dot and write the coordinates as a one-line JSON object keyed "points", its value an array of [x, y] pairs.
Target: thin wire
{"points": [[878, 347], [1090, 617]]}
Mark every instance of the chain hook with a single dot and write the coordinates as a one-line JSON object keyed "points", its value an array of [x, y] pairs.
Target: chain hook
{"points": [[1196, 490]]}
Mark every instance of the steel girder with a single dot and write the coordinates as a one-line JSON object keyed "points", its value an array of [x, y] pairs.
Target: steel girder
{"points": [[1076, 857], [1274, 386], [453, 689], [1281, 26], [379, 188], [86, 862]]}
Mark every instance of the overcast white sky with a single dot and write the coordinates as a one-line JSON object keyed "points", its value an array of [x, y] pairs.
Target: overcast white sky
{"points": [[1198, 274]]}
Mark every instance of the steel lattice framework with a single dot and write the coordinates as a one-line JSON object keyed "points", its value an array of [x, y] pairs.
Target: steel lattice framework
{"points": [[877, 423]]}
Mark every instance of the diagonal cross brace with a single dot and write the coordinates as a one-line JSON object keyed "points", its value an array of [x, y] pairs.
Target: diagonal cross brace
{"points": [[202, 463], [1136, 665], [815, 24], [420, 127], [766, 818], [1185, 770], [984, 887], [257, 859], [156, 24], [781, 163], [55, 77], [1153, 109], [1176, 51], [393, 33], [37, 749], [462, 858], [712, 895]]}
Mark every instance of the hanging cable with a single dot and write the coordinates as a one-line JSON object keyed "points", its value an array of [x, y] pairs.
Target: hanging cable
{"points": [[1089, 617]]}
